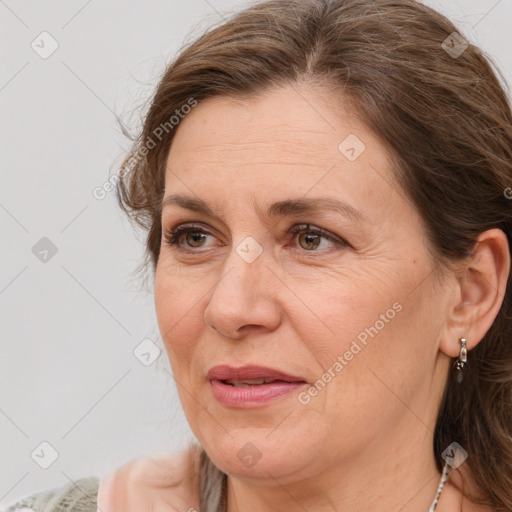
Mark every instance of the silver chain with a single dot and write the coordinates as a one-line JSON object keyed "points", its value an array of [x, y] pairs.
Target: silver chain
{"points": [[444, 477]]}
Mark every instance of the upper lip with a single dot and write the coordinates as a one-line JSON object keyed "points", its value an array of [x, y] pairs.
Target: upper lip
{"points": [[225, 372]]}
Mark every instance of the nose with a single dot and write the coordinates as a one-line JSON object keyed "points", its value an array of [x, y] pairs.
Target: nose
{"points": [[243, 299]]}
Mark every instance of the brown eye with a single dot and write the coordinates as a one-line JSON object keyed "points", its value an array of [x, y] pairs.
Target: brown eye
{"points": [[195, 238], [309, 241], [316, 240]]}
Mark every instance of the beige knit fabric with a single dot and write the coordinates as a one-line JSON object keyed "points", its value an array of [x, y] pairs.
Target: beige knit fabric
{"points": [[80, 496]]}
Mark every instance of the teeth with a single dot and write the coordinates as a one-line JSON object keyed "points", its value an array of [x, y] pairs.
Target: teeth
{"points": [[248, 382]]}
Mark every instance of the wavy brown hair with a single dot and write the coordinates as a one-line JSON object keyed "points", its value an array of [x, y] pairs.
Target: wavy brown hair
{"points": [[446, 120]]}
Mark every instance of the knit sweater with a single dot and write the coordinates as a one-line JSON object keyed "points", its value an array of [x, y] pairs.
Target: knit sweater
{"points": [[188, 471], [80, 496]]}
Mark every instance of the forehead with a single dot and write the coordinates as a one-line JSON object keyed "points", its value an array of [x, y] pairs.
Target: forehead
{"points": [[287, 141], [280, 121]]}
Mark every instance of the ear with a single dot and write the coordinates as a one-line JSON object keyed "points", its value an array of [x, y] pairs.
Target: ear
{"points": [[481, 284]]}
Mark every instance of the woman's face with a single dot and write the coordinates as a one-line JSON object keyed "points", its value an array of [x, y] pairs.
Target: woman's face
{"points": [[352, 313]]}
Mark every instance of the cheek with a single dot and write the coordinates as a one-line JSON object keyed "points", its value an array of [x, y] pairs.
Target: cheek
{"points": [[180, 326], [347, 308], [364, 326], [177, 313]]}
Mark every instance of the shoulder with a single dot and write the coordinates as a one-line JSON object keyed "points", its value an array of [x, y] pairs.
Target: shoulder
{"points": [[153, 483], [78, 496]]}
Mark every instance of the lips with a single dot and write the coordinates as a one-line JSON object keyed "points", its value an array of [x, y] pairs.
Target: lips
{"points": [[251, 386], [258, 374]]}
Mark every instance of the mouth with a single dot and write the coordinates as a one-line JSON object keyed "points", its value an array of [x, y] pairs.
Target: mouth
{"points": [[251, 386], [249, 382]]}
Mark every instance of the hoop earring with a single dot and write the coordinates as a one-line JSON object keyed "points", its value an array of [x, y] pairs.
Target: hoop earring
{"points": [[461, 360]]}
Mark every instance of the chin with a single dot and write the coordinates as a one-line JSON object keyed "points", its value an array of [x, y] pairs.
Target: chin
{"points": [[262, 454]]}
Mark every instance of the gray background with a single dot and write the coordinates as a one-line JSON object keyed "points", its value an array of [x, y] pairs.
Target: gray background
{"points": [[70, 324]]}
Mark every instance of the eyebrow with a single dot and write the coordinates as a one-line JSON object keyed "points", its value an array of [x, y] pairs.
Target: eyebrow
{"points": [[281, 208]]}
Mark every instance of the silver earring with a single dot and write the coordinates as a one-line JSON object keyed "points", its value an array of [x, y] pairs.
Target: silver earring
{"points": [[462, 359]]}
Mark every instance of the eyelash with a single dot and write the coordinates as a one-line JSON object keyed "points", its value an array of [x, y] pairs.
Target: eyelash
{"points": [[172, 236]]}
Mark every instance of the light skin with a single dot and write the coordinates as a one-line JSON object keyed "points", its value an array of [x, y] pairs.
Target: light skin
{"points": [[302, 301]]}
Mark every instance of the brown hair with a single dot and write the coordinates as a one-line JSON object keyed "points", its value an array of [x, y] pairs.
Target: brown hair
{"points": [[445, 118]]}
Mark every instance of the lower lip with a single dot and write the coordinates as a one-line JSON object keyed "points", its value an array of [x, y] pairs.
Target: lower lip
{"points": [[251, 396]]}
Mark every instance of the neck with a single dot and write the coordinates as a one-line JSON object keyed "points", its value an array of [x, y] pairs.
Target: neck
{"points": [[387, 476]]}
